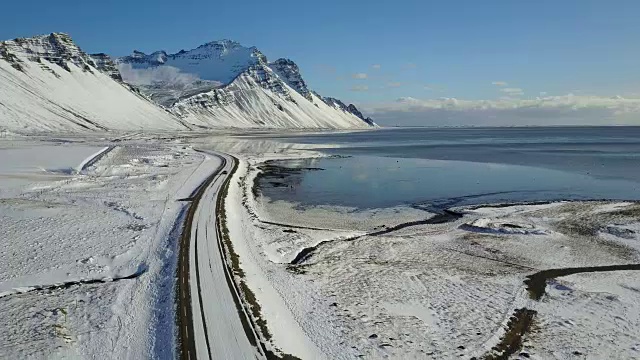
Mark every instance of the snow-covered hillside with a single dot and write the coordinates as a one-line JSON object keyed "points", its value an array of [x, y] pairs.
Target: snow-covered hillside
{"points": [[288, 71], [223, 83], [48, 84]]}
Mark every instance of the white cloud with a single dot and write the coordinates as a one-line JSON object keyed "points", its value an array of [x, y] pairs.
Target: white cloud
{"points": [[376, 66], [550, 110], [512, 91], [499, 83], [360, 88], [359, 76], [167, 75], [543, 93]]}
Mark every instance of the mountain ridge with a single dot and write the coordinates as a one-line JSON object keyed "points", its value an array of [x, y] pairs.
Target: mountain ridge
{"points": [[48, 83], [278, 76]]}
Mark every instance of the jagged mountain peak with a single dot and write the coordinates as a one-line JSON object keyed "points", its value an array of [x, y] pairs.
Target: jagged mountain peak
{"points": [[138, 54], [49, 83], [60, 38], [289, 72], [223, 44], [220, 83], [204, 77], [218, 48], [352, 109], [227, 49], [105, 63], [286, 62], [56, 42], [54, 48], [220, 61], [155, 58]]}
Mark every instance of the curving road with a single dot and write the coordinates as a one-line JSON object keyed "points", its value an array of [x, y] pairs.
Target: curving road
{"points": [[212, 322]]}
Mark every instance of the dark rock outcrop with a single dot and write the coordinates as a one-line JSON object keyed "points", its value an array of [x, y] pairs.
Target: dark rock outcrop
{"points": [[105, 64]]}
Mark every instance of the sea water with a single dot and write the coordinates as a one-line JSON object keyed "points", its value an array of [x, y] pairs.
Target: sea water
{"points": [[464, 166]]}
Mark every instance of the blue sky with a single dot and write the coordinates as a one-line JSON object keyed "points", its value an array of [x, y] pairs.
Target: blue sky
{"points": [[378, 51]]}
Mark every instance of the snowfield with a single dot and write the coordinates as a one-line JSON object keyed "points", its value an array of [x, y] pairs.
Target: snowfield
{"points": [[91, 229], [88, 259]]}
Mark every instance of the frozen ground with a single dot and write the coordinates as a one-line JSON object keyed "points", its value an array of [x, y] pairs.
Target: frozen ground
{"points": [[89, 249], [87, 263], [436, 290]]}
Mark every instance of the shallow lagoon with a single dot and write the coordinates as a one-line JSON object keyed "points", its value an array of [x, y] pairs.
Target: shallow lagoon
{"points": [[447, 167]]}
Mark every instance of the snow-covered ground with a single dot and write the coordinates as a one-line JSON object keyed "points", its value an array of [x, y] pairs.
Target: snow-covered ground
{"points": [[87, 265], [435, 290], [90, 233]]}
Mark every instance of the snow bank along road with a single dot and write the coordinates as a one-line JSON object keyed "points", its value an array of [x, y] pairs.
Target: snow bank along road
{"points": [[213, 324]]}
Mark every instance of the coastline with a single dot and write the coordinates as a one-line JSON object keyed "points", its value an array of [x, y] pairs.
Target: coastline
{"points": [[384, 282], [296, 299]]}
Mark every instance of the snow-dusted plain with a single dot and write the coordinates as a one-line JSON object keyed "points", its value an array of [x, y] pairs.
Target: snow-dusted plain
{"points": [[88, 257], [90, 239]]}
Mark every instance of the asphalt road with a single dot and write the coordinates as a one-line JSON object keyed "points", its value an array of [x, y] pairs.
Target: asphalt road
{"points": [[212, 321], [185, 315]]}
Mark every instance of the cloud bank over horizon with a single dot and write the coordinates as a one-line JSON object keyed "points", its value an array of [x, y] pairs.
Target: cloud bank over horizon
{"points": [[548, 110]]}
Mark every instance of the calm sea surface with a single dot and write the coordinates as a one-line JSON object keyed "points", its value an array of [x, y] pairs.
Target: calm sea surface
{"points": [[463, 166]]}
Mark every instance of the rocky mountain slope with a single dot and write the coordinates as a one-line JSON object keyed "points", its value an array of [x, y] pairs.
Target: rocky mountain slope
{"points": [[223, 83], [48, 84]]}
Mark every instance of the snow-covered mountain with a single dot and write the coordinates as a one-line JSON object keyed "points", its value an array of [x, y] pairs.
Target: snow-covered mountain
{"points": [[218, 61], [288, 71], [48, 84], [223, 83]]}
